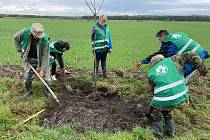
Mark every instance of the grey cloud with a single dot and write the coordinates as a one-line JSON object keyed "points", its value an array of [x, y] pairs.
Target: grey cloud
{"points": [[78, 7]]}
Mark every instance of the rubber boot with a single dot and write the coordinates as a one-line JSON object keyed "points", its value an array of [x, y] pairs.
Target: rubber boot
{"points": [[28, 92], [157, 129], [169, 126]]}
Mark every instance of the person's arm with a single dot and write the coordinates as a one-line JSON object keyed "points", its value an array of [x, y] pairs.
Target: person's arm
{"points": [[45, 57], [93, 33], [189, 57], [60, 60], [167, 49], [17, 38], [110, 40]]}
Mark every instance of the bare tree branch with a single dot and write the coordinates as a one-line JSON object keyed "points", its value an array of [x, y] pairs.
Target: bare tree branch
{"points": [[100, 7], [92, 11]]}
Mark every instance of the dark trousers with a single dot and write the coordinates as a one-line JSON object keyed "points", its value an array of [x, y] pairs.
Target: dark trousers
{"points": [[53, 68], [100, 57], [154, 115]]}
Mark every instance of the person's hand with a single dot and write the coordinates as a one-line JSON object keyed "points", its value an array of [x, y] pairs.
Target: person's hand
{"points": [[67, 72], [138, 65], [110, 50], [94, 31], [41, 73]]}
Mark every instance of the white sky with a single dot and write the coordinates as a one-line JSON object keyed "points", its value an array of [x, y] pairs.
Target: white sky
{"points": [[114, 7]]}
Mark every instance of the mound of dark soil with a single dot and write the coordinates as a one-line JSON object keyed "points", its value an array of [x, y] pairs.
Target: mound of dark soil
{"points": [[104, 110], [85, 110]]}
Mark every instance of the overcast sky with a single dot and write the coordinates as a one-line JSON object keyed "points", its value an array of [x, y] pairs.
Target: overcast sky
{"points": [[114, 7]]}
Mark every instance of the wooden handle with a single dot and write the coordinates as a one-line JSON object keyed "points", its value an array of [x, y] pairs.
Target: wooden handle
{"points": [[51, 92]]}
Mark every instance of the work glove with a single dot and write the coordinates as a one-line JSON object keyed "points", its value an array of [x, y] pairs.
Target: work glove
{"points": [[138, 65]]}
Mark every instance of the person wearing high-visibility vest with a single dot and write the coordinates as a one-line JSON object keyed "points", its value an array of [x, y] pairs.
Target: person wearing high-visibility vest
{"points": [[169, 88], [57, 48], [176, 43], [33, 46], [101, 44]]}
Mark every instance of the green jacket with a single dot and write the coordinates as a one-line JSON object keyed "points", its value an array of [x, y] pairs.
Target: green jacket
{"points": [[100, 42], [53, 49], [170, 86], [167, 77], [22, 41], [184, 43]]}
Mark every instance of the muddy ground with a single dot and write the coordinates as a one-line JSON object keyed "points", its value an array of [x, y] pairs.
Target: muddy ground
{"points": [[84, 108]]}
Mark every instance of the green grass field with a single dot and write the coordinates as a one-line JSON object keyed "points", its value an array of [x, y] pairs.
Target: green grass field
{"points": [[132, 41]]}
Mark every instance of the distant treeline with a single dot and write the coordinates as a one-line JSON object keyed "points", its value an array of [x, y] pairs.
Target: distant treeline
{"points": [[122, 17], [154, 17]]}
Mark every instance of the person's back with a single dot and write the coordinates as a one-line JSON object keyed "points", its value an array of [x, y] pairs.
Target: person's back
{"points": [[57, 48], [167, 80], [184, 43], [176, 43]]}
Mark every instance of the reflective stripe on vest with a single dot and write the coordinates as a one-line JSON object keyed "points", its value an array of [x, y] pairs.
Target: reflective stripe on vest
{"points": [[185, 46], [170, 97], [100, 47], [174, 84], [99, 41], [196, 48]]}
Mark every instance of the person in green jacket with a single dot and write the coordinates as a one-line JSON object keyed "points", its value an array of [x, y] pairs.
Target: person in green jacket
{"points": [[57, 48], [32, 45], [101, 44], [177, 43], [169, 88]]}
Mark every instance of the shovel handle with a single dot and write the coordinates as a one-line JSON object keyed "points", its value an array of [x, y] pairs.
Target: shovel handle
{"points": [[51, 92]]}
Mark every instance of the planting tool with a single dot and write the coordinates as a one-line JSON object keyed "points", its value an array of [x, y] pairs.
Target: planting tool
{"points": [[46, 85]]}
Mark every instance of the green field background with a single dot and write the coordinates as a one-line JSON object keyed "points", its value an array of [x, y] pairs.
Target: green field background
{"points": [[132, 40]]}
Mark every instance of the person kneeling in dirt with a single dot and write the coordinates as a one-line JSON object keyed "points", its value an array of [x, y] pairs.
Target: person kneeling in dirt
{"points": [[101, 44], [167, 80], [32, 45], [57, 48]]}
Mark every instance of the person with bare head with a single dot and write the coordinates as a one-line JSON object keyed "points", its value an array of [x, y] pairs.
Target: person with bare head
{"points": [[176, 43], [101, 44], [32, 45]]}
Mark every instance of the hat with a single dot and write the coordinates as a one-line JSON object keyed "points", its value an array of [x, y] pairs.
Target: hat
{"points": [[37, 30], [155, 59]]}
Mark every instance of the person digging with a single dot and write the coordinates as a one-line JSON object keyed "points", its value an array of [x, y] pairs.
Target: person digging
{"points": [[57, 48], [32, 45], [167, 79], [101, 44]]}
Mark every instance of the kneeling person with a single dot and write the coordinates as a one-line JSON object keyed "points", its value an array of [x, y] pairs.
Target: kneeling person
{"points": [[57, 49], [167, 79]]}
